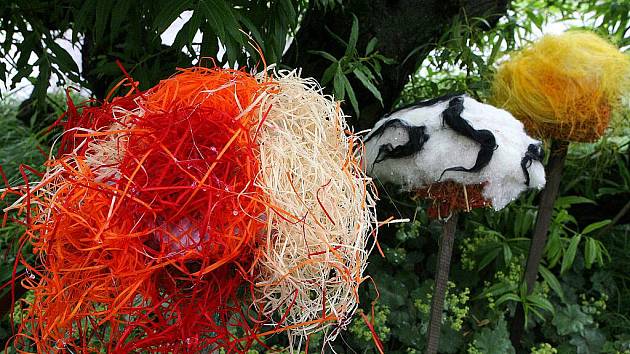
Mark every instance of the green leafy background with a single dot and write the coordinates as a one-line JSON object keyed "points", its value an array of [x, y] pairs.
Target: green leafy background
{"points": [[581, 302]]}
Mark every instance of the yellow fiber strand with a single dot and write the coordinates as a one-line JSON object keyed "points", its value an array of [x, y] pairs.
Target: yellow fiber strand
{"points": [[564, 86]]}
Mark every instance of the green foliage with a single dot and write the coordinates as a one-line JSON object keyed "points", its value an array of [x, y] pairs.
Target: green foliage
{"points": [[362, 333], [465, 56], [570, 308], [130, 32], [492, 341], [581, 301], [584, 261], [455, 305], [544, 348], [366, 67], [571, 319]]}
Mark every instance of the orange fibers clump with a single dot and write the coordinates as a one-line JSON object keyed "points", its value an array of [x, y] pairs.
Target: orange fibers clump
{"points": [[564, 86], [202, 215], [448, 197], [148, 225]]}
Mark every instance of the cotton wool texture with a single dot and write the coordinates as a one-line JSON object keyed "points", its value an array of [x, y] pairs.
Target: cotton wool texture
{"points": [[200, 215], [322, 212], [564, 86], [441, 148]]}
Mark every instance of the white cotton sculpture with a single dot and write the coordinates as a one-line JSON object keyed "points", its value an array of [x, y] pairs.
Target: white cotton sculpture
{"points": [[455, 138]]}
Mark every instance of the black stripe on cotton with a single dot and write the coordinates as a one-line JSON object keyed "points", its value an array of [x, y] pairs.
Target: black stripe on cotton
{"points": [[420, 104], [416, 139], [452, 117], [534, 153]]}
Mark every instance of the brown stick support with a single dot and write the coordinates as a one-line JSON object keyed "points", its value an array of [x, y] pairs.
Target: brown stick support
{"points": [[548, 197], [441, 280]]}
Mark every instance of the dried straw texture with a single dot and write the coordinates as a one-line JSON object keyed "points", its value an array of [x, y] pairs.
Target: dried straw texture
{"points": [[322, 212], [564, 86]]}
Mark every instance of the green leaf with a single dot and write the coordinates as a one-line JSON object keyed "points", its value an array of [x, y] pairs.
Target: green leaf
{"points": [[43, 80], [393, 290], [85, 15], [541, 302], [6, 273], [63, 59], [225, 14], [602, 252], [494, 341], [120, 12], [569, 255], [508, 297], [212, 20], [623, 169], [567, 201], [535, 311], [329, 73], [103, 10], [371, 46], [591, 341], [368, 84], [3, 72], [253, 30], [287, 9], [489, 257], [596, 226], [570, 320], [169, 12], [497, 289], [590, 252], [31, 40], [354, 36], [186, 35], [336, 37], [552, 281], [209, 43], [451, 341], [338, 84], [221, 21], [507, 253], [384, 59], [553, 249], [350, 91], [324, 55]]}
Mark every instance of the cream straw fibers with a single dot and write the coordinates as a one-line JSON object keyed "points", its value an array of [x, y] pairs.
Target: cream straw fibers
{"points": [[324, 211]]}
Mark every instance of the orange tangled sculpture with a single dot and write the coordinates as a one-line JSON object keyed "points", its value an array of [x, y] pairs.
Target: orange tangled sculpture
{"points": [[149, 225]]}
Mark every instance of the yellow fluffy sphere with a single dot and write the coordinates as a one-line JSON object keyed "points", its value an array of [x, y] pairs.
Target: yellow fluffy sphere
{"points": [[564, 86]]}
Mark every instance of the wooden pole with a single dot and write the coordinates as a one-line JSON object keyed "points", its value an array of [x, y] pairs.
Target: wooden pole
{"points": [[441, 280], [543, 220]]}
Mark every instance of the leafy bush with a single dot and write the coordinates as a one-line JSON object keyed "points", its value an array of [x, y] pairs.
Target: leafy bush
{"points": [[581, 302]]}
